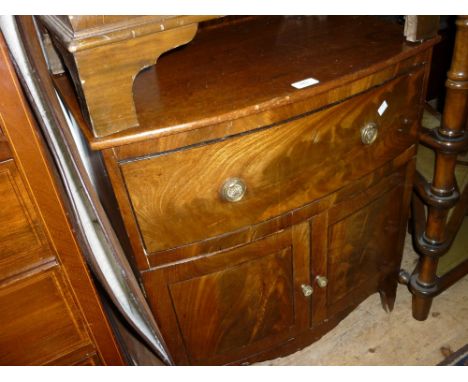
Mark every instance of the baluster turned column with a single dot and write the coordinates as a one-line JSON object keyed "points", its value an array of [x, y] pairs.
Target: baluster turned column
{"points": [[443, 193]]}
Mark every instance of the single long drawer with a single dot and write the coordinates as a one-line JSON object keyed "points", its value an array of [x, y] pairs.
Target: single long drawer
{"points": [[199, 192]]}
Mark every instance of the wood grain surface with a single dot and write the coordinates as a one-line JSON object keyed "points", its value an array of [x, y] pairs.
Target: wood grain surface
{"points": [[22, 237], [227, 280], [362, 245], [240, 299], [50, 312], [39, 320], [249, 66], [214, 305], [105, 54], [241, 74], [283, 167]]}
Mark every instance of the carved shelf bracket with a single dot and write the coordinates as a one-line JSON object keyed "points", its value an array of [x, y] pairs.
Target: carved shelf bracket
{"points": [[105, 54]]}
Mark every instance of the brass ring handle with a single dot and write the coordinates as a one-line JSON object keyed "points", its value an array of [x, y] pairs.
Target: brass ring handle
{"points": [[233, 189], [369, 133]]}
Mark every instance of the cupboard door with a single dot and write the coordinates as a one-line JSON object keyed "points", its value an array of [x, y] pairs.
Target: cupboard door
{"points": [[223, 306], [359, 250]]}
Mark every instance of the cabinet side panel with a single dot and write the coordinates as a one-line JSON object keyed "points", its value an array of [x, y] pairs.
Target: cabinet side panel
{"points": [[23, 243]]}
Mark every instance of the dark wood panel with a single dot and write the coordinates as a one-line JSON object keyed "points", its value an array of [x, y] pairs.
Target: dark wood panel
{"points": [[236, 306], [37, 315], [283, 167], [232, 302], [362, 244]]}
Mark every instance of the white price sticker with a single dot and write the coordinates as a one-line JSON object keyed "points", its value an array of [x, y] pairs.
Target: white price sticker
{"points": [[382, 108], [305, 83]]}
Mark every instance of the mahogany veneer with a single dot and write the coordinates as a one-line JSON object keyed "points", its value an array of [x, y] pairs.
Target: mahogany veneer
{"points": [[259, 214]]}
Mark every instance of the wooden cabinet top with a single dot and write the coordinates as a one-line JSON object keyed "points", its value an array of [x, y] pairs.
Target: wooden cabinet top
{"points": [[244, 66]]}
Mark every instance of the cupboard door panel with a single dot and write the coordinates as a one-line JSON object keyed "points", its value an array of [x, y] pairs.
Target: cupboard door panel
{"points": [[236, 306], [363, 245], [232, 302]]}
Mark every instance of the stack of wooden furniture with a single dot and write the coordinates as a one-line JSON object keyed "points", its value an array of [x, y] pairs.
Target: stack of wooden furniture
{"points": [[50, 313], [263, 171]]}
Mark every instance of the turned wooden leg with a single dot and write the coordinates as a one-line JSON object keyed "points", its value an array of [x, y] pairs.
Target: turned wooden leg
{"points": [[443, 193], [106, 74], [421, 307]]}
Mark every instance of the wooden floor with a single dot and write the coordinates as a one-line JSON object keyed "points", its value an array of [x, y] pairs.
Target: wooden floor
{"points": [[369, 336]]}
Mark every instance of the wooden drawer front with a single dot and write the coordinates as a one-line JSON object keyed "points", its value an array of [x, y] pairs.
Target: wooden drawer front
{"points": [[38, 321], [221, 307], [176, 196], [23, 244]]}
